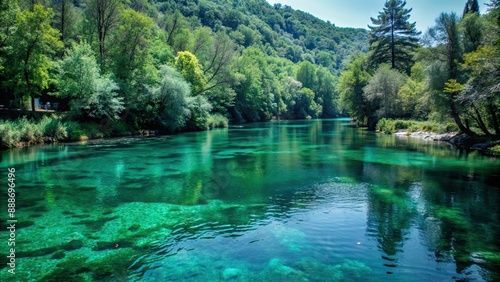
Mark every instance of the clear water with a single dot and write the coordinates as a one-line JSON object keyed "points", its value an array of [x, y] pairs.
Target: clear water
{"points": [[285, 201]]}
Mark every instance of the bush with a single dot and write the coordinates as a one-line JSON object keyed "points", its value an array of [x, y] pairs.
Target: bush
{"points": [[118, 128], [386, 125], [9, 135], [92, 130], [75, 131], [29, 131], [216, 120], [402, 124], [53, 127], [452, 127], [429, 127]]}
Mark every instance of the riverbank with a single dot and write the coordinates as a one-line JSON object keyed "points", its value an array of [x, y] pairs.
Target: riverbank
{"points": [[22, 132], [485, 145]]}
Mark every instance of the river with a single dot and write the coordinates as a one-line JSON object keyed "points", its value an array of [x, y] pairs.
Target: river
{"points": [[312, 200]]}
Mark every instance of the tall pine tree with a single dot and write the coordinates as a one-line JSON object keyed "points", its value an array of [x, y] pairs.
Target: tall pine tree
{"points": [[472, 6], [393, 37]]}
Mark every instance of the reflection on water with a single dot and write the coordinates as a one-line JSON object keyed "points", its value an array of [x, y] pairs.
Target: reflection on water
{"points": [[284, 201]]}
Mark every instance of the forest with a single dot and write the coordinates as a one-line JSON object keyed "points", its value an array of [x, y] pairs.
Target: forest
{"points": [[447, 76], [80, 69], [108, 67]]}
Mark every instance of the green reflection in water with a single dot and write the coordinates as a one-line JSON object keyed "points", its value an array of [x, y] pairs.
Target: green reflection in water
{"points": [[285, 201]]}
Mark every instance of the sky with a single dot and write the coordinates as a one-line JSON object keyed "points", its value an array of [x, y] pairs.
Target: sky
{"points": [[357, 13]]}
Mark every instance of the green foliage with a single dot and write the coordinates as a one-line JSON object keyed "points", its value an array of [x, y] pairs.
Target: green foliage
{"points": [[75, 131], [306, 74], [216, 120], [171, 99], [393, 38], [35, 42], [53, 127], [187, 64], [382, 91], [9, 134], [386, 125], [199, 108], [132, 65], [91, 95], [350, 86]]}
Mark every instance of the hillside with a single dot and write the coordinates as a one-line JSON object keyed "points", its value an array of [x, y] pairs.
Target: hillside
{"points": [[171, 65]]}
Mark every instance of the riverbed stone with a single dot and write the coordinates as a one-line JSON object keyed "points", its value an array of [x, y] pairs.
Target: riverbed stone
{"points": [[231, 273]]}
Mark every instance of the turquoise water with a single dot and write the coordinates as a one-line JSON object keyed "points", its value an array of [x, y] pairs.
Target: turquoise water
{"points": [[285, 201]]}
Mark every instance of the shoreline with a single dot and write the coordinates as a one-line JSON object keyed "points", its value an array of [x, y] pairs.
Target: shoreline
{"points": [[456, 139]]}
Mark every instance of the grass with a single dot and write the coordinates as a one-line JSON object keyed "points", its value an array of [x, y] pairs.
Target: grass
{"points": [[24, 131], [390, 126]]}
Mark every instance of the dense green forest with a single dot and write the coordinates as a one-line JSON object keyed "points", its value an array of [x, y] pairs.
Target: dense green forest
{"points": [[109, 67], [449, 75], [169, 65]]}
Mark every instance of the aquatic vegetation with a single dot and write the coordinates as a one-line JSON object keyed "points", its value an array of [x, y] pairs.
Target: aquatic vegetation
{"points": [[392, 196], [454, 216]]}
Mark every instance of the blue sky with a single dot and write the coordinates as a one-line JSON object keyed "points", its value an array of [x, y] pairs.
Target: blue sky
{"points": [[357, 13]]}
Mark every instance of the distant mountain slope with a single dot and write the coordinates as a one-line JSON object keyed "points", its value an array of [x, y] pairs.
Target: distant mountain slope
{"points": [[285, 32]]}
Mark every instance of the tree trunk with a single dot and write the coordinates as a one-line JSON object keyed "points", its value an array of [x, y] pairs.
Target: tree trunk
{"points": [[63, 12], [393, 51], [458, 120], [480, 121], [494, 116]]}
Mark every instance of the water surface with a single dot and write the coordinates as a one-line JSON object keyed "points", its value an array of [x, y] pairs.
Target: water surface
{"points": [[285, 201]]}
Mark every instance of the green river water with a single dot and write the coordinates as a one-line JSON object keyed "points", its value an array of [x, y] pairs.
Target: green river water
{"points": [[283, 201]]}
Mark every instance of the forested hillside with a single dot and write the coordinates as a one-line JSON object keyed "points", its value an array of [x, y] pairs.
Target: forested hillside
{"points": [[170, 65]]}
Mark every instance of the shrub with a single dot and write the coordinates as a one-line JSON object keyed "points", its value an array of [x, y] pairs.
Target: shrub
{"points": [[9, 135], [75, 131], [53, 127], [118, 128], [92, 130], [386, 126], [451, 127], [402, 124], [216, 120], [429, 127], [30, 132]]}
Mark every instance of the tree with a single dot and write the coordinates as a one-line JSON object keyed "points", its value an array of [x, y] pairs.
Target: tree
{"points": [[216, 58], [472, 6], [187, 64], [306, 74], [104, 15], [393, 38], [483, 86], [446, 36], [350, 87], [382, 91], [130, 57], [35, 42], [90, 94], [8, 11], [325, 92], [65, 18], [178, 35], [472, 27], [171, 99], [411, 95]]}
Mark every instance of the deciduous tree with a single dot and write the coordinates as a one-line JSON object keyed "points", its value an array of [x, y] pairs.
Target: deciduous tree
{"points": [[36, 41], [104, 15]]}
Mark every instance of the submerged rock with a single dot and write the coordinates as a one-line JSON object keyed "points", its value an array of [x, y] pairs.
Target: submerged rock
{"points": [[231, 273]]}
